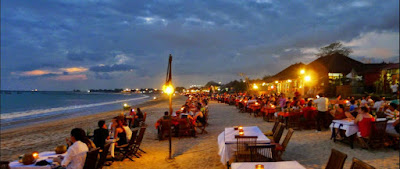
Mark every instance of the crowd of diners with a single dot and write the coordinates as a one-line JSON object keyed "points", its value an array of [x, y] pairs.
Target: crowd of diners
{"points": [[194, 111], [362, 111], [118, 131]]}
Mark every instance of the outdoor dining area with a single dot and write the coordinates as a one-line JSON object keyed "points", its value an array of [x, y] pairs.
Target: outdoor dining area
{"points": [[106, 145], [249, 147]]}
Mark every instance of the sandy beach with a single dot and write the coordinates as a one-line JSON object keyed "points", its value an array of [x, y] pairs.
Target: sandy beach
{"points": [[46, 136], [309, 148]]}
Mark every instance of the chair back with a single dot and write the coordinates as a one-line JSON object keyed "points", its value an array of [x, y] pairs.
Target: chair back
{"points": [[165, 125], [139, 138], [278, 134], [263, 153], [287, 139], [358, 164], [243, 152], [183, 124], [336, 160], [103, 155], [133, 138], [144, 118], [4, 165], [275, 126], [91, 159], [378, 131]]}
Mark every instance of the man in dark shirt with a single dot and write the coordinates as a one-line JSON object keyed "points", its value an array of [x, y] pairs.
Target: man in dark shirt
{"points": [[101, 134]]}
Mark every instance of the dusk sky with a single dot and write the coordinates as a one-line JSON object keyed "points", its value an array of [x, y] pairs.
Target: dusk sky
{"points": [[77, 44]]}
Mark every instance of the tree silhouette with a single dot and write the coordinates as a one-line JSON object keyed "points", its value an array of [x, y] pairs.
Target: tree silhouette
{"points": [[334, 48]]}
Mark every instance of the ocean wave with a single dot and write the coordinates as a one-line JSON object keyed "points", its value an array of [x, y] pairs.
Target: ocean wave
{"points": [[57, 109]]}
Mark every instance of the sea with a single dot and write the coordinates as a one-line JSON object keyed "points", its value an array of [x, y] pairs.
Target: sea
{"points": [[22, 108]]}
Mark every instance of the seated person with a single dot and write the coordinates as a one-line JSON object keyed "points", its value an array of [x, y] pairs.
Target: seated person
{"points": [[101, 134], [128, 131], [308, 110], [111, 127], [391, 112], [287, 107], [363, 120], [199, 116], [120, 133], [396, 126], [338, 113], [297, 106], [76, 153], [353, 108]]}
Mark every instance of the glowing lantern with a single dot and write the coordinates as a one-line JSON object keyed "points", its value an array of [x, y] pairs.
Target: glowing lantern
{"points": [[259, 166]]}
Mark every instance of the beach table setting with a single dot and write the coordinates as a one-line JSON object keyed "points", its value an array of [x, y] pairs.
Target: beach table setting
{"points": [[268, 165], [227, 141], [351, 129], [47, 156]]}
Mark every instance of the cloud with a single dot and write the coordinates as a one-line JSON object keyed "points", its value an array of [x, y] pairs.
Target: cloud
{"points": [[382, 45], [70, 77], [254, 37], [113, 68], [74, 69], [35, 73]]}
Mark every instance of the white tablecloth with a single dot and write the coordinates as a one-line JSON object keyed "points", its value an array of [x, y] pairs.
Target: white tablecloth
{"points": [[269, 165], [42, 156], [227, 141], [352, 128]]}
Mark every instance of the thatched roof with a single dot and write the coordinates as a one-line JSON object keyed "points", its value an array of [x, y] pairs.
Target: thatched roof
{"points": [[335, 63], [291, 72]]}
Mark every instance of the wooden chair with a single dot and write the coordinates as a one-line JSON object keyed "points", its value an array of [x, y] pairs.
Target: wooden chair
{"points": [[378, 134], [263, 153], [294, 120], [358, 164], [184, 128], [280, 149], [138, 142], [91, 159], [336, 160], [278, 133], [4, 165], [310, 122], [126, 149], [243, 153], [163, 129], [143, 122], [103, 156], [270, 133]]}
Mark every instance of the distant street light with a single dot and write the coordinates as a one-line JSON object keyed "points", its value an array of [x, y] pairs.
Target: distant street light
{"points": [[307, 78], [302, 71], [255, 87]]}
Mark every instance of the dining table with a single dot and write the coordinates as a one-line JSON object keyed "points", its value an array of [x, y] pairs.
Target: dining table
{"points": [[268, 165], [227, 143], [47, 155], [350, 129]]}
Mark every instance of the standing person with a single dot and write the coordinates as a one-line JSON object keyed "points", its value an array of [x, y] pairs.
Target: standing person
{"points": [[101, 134], [378, 104], [282, 101], [322, 107], [394, 88]]}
